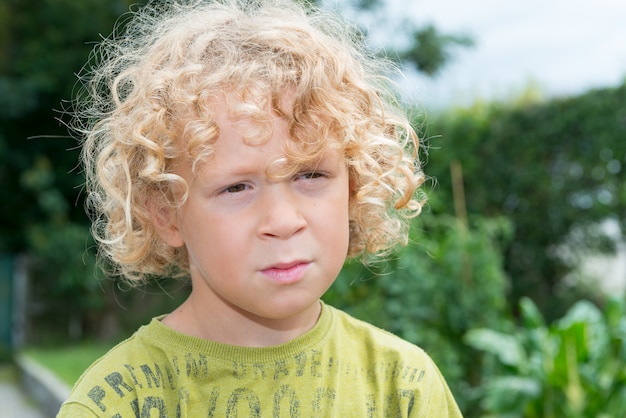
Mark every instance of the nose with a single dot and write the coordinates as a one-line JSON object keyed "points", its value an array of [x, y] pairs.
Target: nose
{"points": [[281, 214]]}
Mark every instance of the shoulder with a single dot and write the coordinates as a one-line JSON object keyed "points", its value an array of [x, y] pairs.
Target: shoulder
{"points": [[115, 371], [372, 336], [398, 366], [381, 348]]}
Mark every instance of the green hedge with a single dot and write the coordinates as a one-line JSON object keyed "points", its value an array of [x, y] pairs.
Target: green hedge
{"points": [[556, 169]]}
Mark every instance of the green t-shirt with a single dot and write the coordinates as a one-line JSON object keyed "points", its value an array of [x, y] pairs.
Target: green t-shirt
{"points": [[342, 367]]}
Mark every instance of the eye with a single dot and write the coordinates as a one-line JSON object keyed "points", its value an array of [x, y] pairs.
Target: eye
{"points": [[310, 175], [235, 188]]}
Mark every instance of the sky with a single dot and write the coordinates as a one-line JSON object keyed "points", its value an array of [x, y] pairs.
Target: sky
{"points": [[563, 47]]}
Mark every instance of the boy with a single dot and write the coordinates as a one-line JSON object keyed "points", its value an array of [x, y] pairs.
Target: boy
{"points": [[250, 147]]}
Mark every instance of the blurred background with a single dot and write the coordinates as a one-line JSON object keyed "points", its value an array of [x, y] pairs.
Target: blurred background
{"points": [[514, 278]]}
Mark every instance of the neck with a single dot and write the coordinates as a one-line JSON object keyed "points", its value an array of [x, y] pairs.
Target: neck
{"points": [[238, 327]]}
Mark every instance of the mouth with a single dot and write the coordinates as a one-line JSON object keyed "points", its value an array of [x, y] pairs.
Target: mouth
{"points": [[286, 273]]}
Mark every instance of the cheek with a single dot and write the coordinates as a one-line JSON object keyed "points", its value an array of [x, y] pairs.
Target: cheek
{"points": [[222, 239], [215, 252]]}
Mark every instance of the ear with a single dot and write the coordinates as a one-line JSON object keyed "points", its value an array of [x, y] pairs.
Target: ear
{"points": [[164, 219]]}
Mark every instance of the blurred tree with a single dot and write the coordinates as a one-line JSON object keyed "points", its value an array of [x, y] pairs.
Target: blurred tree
{"points": [[44, 43], [424, 48], [430, 51]]}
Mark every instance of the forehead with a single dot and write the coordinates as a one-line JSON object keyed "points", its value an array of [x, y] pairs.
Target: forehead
{"points": [[241, 131]]}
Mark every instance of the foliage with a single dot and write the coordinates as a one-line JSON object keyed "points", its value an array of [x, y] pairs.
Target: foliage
{"points": [[572, 368], [42, 45], [446, 282], [555, 168], [430, 51], [63, 280]]}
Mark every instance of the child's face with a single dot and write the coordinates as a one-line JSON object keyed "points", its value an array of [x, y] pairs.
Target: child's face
{"points": [[267, 248]]}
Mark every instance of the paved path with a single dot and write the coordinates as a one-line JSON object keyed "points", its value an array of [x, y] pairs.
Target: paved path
{"points": [[13, 403]]}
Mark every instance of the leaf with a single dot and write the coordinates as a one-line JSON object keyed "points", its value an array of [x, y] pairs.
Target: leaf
{"points": [[530, 314], [511, 393], [614, 311], [585, 324], [506, 347]]}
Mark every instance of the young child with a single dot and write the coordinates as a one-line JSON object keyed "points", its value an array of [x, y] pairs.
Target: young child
{"points": [[251, 146]]}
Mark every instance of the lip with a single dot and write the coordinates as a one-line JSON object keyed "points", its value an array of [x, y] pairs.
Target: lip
{"points": [[286, 273]]}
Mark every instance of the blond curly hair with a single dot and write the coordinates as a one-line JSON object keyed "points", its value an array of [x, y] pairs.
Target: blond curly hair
{"points": [[145, 101]]}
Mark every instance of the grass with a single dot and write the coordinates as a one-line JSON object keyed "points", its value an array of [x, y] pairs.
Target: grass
{"points": [[68, 363], [7, 373]]}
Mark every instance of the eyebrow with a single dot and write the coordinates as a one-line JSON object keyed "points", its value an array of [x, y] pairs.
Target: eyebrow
{"points": [[237, 169]]}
